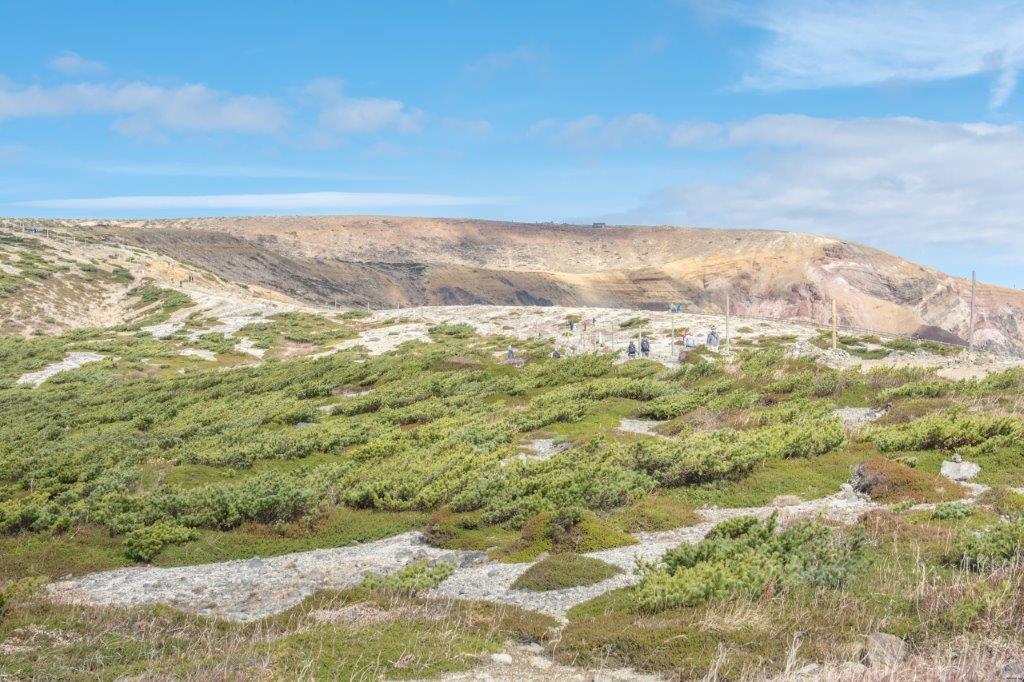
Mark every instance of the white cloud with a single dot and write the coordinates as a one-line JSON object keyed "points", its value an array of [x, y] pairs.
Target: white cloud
{"points": [[74, 64], [816, 44], [469, 126], [341, 201], [144, 109], [900, 182], [499, 61], [185, 170], [594, 131], [348, 115]]}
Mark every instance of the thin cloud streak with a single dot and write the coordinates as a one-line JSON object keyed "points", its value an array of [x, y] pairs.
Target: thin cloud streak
{"points": [[250, 202]]}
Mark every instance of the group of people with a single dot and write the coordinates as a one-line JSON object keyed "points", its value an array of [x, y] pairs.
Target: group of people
{"points": [[689, 343]]}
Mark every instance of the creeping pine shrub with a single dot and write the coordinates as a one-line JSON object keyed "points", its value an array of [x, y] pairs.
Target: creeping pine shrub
{"points": [[946, 432], [951, 510], [745, 556], [415, 578], [145, 543], [991, 547], [17, 591], [918, 389]]}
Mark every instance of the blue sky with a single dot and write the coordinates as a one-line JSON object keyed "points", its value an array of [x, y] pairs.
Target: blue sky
{"points": [[897, 123]]}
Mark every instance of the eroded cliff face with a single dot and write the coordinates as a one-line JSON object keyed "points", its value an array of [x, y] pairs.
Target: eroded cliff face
{"points": [[388, 261]]}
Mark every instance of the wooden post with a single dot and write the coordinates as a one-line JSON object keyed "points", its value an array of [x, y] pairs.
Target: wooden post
{"points": [[727, 321], [835, 326], [970, 333]]}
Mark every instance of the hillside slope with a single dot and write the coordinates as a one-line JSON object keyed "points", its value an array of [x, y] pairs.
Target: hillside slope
{"points": [[390, 262]]}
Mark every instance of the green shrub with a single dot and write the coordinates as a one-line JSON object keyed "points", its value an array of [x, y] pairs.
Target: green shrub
{"points": [[15, 592], [634, 323], [145, 543], [562, 571], [952, 510], [417, 577], [1006, 502], [989, 548], [745, 556], [946, 432]]}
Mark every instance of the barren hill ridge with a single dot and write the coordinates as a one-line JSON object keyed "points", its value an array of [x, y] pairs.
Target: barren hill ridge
{"points": [[397, 261]]}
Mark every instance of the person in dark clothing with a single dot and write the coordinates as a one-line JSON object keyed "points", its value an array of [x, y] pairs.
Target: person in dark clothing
{"points": [[645, 347], [631, 350]]}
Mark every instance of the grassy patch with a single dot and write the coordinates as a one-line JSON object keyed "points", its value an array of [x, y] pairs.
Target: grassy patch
{"points": [[562, 571]]}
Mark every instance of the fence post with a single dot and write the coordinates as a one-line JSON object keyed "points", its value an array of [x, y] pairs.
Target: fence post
{"points": [[835, 326], [970, 334]]}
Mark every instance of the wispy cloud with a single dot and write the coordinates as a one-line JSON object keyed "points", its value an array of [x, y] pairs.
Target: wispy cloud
{"points": [[143, 109], [351, 115], [74, 64], [594, 131], [184, 170], [341, 201], [815, 44], [499, 61], [901, 182]]}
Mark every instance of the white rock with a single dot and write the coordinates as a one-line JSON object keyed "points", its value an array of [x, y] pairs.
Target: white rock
{"points": [[502, 658], [960, 471]]}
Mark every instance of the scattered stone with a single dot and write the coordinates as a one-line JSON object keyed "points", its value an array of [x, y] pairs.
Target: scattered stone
{"points": [[502, 658], [850, 495], [807, 670], [959, 470], [785, 501], [1012, 671], [853, 669], [884, 650], [540, 662]]}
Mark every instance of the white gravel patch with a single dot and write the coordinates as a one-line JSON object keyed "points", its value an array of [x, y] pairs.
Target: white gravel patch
{"points": [[644, 427], [199, 353], [72, 361]]}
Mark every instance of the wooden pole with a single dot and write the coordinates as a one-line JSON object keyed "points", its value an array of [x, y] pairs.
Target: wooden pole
{"points": [[970, 334], [835, 326], [727, 321]]}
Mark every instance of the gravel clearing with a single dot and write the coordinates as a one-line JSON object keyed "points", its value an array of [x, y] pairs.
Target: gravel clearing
{"points": [[72, 361], [644, 427]]}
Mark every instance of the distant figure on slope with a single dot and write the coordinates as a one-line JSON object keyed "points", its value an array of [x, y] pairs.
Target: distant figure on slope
{"points": [[556, 355], [511, 352], [631, 350], [572, 325], [645, 347], [712, 338], [689, 340]]}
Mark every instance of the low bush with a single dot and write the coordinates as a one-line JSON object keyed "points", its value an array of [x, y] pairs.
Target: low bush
{"points": [[145, 543], [417, 577], [987, 549], [952, 510], [745, 556], [889, 482]]}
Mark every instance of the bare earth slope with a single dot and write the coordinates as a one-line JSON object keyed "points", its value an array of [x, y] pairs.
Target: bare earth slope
{"points": [[390, 262]]}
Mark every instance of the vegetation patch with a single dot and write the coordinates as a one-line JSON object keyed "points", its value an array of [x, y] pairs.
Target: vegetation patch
{"points": [[747, 557], [562, 571], [890, 482]]}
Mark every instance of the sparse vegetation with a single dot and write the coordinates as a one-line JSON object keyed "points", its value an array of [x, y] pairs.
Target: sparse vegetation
{"points": [[561, 571]]}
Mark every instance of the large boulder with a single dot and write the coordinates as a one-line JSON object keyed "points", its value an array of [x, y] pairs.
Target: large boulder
{"points": [[959, 470]]}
